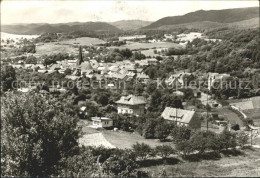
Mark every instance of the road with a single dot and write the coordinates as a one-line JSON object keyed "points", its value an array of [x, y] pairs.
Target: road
{"points": [[231, 116]]}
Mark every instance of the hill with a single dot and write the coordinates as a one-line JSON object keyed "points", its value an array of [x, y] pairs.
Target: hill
{"points": [[244, 24], [130, 24], [215, 16], [34, 29]]}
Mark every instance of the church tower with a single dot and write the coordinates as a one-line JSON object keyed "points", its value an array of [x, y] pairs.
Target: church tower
{"points": [[80, 59]]}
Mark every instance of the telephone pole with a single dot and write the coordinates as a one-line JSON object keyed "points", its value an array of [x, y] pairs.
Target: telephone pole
{"points": [[207, 112]]}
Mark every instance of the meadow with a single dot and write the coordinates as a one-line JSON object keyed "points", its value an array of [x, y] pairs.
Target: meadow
{"points": [[52, 48], [136, 45], [69, 46], [82, 41], [230, 164]]}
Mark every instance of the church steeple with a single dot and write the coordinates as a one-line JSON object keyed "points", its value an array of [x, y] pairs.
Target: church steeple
{"points": [[80, 59]]}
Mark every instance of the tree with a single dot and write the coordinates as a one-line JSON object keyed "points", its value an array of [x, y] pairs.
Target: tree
{"points": [[36, 135], [141, 150], [149, 127], [185, 147], [8, 78], [139, 88], [180, 134], [162, 130], [202, 140], [242, 139], [228, 139], [164, 151], [83, 164], [121, 163]]}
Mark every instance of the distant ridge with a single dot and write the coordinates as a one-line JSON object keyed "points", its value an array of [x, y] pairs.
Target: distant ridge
{"points": [[34, 29], [130, 24], [213, 16]]}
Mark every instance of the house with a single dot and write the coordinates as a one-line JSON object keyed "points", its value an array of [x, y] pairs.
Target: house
{"points": [[142, 77], [182, 117], [177, 79], [216, 77], [101, 122], [152, 61], [131, 105]]}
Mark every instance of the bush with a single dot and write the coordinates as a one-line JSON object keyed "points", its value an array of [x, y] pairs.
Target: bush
{"points": [[121, 163], [142, 150], [164, 151], [162, 131], [242, 139], [228, 139], [202, 141], [180, 134], [185, 147]]}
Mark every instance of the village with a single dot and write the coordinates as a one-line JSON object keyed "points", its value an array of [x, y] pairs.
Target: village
{"points": [[177, 96], [89, 70]]}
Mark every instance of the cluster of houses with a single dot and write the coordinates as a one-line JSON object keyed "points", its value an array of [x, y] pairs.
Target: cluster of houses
{"points": [[120, 70], [135, 105]]}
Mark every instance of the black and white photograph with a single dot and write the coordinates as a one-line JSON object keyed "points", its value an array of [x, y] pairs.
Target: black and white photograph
{"points": [[130, 88]]}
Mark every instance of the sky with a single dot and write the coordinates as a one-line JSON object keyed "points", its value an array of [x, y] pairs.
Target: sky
{"points": [[61, 11]]}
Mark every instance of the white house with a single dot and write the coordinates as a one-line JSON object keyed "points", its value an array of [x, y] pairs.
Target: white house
{"points": [[182, 117], [216, 77], [131, 105], [101, 122]]}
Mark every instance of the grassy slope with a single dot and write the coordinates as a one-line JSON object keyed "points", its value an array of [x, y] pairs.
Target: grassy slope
{"points": [[246, 165], [123, 140], [66, 45]]}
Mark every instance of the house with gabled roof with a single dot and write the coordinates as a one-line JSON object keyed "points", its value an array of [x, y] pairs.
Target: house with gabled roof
{"points": [[182, 117], [215, 78], [131, 104]]}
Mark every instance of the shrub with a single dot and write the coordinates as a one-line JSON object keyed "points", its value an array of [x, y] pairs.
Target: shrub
{"points": [[142, 150], [122, 164], [180, 134], [162, 131], [185, 147], [164, 151], [228, 139], [242, 139]]}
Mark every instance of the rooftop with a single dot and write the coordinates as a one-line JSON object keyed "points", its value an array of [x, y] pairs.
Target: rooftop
{"points": [[100, 118], [131, 100], [183, 116]]}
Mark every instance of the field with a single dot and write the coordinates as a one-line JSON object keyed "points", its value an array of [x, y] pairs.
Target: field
{"points": [[149, 52], [246, 164], [123, 140], [136, 45], [15, 37], [66, 45], [83, 41], [52, 48]]}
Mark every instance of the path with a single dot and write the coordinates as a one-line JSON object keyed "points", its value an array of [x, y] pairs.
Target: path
{"points": [[96, 139]]}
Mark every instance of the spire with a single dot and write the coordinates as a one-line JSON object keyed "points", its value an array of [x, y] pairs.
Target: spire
{"points": [[80, 59]]}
